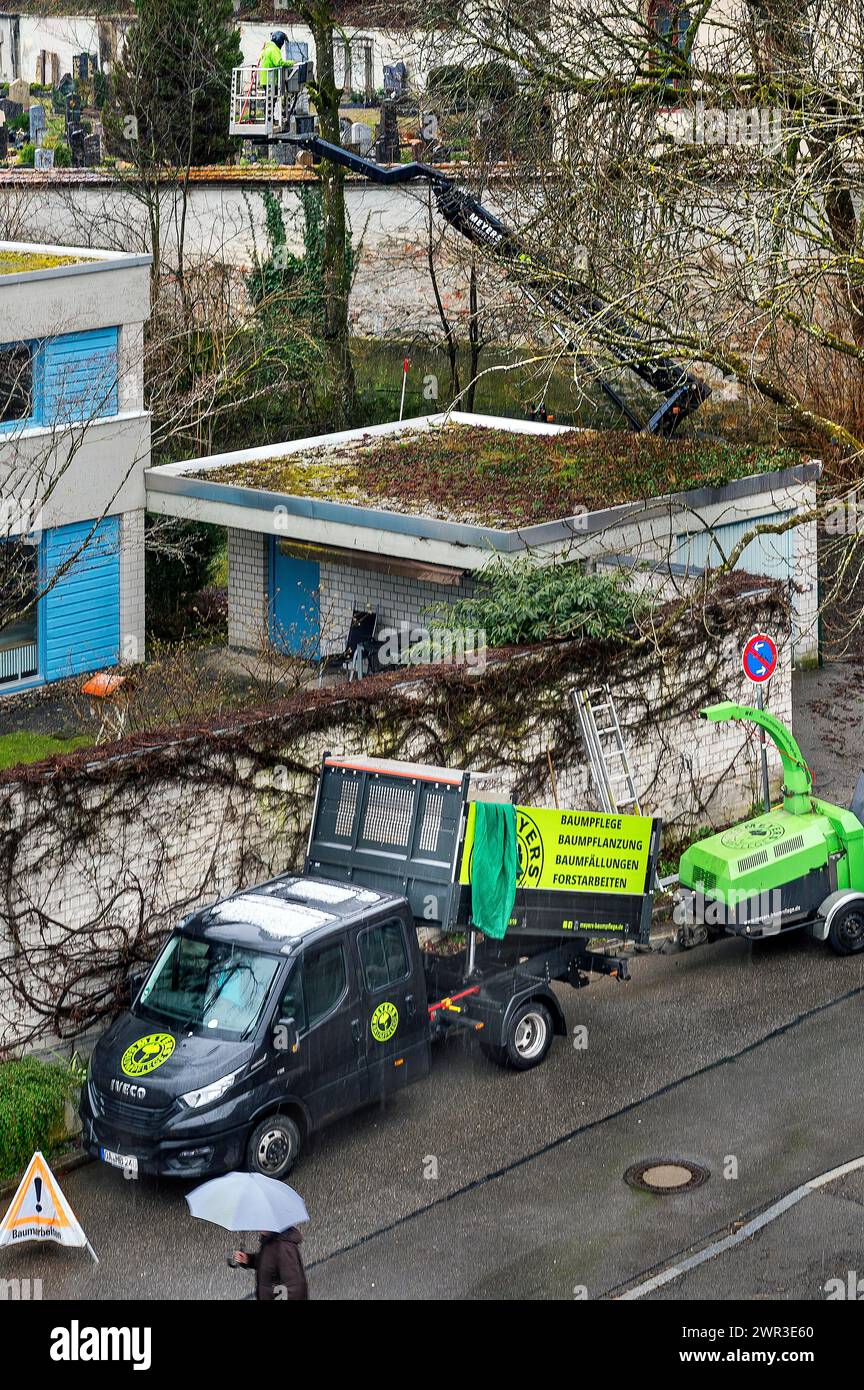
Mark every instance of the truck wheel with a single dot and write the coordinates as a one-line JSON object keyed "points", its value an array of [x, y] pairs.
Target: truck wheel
{"points": [[274, 1147], [846, 932], [529, 1037]]}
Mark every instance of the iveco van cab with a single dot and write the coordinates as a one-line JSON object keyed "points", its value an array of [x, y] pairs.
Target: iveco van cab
{"points": [[280, 999], [283, 1007]]}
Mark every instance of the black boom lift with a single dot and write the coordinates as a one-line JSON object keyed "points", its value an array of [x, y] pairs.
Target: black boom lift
{"points": [[570, 299]]}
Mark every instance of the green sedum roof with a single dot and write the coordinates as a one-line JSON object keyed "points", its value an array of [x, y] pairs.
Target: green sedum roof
{"points": [[19, 262], [501, 478]]}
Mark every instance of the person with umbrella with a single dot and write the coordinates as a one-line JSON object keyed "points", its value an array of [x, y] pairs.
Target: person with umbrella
{"points": [[253, 1202], [278, 1266]]}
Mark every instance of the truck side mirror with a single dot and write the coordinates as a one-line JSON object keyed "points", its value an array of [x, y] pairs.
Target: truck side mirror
{"points": [[135, 979], [285, 1036]]}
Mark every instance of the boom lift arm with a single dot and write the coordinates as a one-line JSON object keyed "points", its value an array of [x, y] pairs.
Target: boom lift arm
{"points": [[797, 778], [570, 298]]}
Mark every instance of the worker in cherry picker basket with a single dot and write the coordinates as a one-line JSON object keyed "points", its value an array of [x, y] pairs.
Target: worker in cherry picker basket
{"points": [[272, 56]]}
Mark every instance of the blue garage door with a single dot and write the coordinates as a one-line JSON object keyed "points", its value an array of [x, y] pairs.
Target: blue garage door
{"points": [[81, 613], [295, 615], [767, 554], [79, 376]]}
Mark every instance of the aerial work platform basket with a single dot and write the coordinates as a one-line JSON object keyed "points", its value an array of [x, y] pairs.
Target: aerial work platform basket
{"points": [[269, 102]]}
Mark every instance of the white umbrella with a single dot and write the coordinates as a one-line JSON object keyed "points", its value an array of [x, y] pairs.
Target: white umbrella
{"points": [[248, 1202]]}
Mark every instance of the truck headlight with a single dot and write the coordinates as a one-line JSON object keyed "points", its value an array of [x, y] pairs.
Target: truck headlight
{"points": [[205, 1095]]}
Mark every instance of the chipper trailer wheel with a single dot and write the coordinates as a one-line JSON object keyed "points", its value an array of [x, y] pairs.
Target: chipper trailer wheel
{"points": [[846, 930], [527, 1040]]}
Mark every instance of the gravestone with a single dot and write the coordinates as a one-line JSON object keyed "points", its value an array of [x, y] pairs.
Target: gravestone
{"points": [[76, 137], [19, 91], [361, 137], [92, 151], [4, 142], [37, 123], [84, 66], [43, 159], [10, 109], [387, 146], [47, 68], [73, 116], [395, 78]]}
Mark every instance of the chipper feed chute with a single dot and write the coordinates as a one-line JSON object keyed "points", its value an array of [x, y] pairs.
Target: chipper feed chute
{"points": [[779, 870]]}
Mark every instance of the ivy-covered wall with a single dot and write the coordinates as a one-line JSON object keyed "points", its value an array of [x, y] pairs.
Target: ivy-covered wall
{"points": [[99, 859]]}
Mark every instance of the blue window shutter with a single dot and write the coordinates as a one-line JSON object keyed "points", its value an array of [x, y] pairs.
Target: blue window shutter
{"points": [[767, 554], [81, 611], [79, 377]]}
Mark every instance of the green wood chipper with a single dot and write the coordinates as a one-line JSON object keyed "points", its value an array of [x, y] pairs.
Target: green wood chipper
{"points": [[800, 865]]}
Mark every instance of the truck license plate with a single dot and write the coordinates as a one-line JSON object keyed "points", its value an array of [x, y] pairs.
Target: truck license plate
{"points": [[127, 1162]]}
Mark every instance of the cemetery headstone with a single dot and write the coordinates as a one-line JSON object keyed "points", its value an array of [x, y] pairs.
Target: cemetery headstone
{"points": [[395, 76], [361, 137], [73, 112], [77, 138], [43, 159], [429, 126], [60, 93], [4, 142], [388, 151], [19, 91], [37, 123]]}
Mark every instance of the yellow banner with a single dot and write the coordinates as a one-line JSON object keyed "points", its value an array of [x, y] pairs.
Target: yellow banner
{"points": [[575, 851]]}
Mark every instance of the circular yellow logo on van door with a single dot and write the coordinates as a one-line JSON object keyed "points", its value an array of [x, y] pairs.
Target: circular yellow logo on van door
{"points": [[385, 1021], [147, 1054]]}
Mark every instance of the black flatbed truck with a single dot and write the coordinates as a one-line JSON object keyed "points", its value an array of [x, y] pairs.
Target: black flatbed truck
{"points": [[284, 1007]]}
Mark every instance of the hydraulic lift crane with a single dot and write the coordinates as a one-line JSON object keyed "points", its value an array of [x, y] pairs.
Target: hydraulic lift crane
{"points": [[568, 298]]}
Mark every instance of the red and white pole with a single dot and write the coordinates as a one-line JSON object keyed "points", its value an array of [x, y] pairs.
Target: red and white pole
{"points": [[405, 365]]}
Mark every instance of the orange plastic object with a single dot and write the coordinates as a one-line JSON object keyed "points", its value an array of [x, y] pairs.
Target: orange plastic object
{"points": [[103, 684]]}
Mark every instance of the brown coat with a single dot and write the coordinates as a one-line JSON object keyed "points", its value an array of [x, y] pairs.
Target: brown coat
{"points": [[279, 1272]]}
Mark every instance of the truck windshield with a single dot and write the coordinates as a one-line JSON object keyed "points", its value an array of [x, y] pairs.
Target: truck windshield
{"points": [[209, 986]]}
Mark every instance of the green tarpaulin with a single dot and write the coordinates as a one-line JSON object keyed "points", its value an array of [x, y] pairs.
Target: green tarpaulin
{"points": [[494, 867]]}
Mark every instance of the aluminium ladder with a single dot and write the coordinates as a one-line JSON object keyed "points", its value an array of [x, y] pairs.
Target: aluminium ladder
{"points": [[608, 761]]}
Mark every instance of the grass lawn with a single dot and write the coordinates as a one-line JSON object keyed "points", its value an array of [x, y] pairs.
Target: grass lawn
{"points": [[498, 478], [24, 747]]}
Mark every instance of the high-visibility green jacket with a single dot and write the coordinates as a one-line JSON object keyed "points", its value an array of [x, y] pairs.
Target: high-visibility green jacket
{"points": [[271, 57]]}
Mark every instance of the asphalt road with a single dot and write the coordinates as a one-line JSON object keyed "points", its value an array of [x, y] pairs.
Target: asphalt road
{"points": [[726, 1052]]}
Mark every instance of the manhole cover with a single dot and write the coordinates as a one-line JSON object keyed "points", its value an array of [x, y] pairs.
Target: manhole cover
{"points": [[666, 1175]]}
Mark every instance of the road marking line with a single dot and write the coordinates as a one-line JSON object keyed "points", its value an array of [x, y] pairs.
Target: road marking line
{"points": [[719, 1247]]}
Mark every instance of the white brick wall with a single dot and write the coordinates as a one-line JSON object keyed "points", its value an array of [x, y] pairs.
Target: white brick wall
{"points": [[132, 599], [248, 587], [394, 598]]}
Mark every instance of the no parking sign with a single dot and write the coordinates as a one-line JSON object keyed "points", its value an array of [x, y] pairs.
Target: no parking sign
{"points": [[760, 658]]}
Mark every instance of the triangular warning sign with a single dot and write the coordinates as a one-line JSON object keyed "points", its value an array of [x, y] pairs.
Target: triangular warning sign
{"points": [[39, 1211]]}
